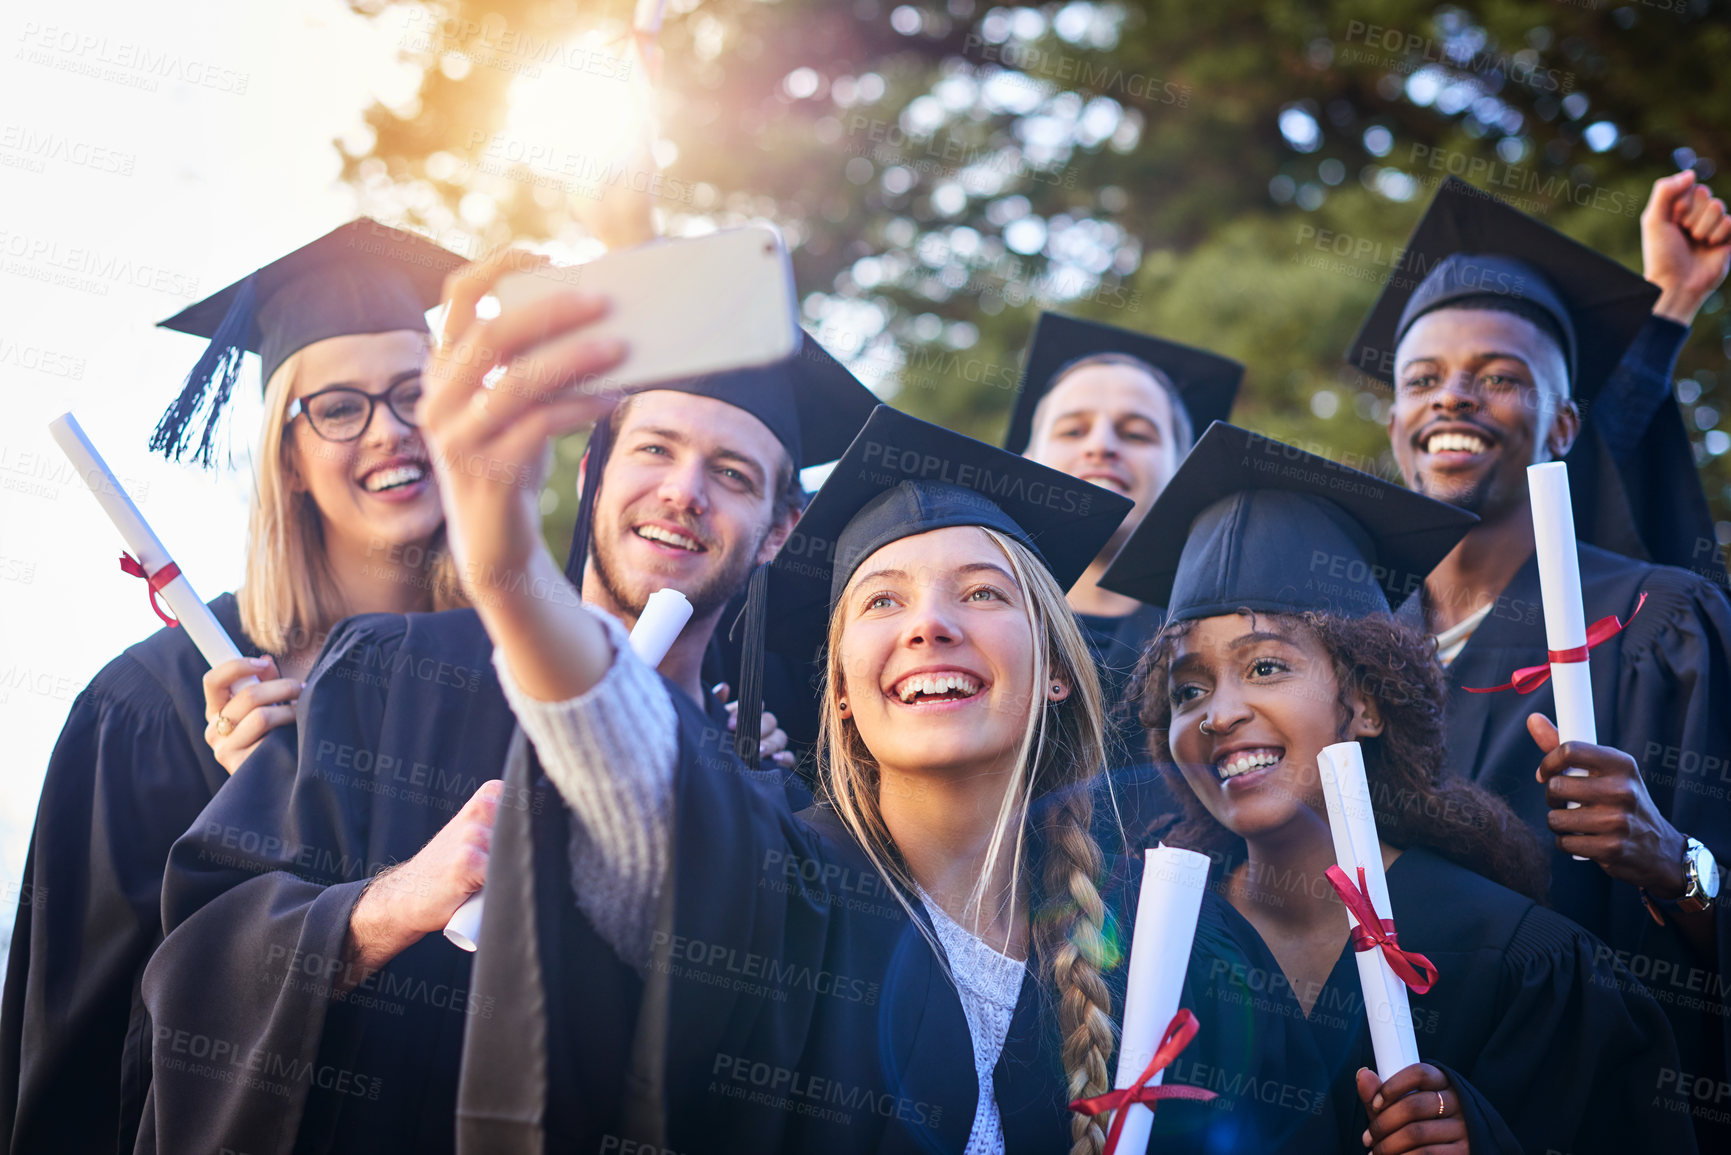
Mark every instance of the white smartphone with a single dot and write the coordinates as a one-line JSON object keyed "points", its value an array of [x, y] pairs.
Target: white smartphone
{"points": [[684, 307]]}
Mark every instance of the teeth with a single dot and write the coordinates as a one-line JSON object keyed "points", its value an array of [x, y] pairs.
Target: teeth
{"points": [[1241, 763], [395, 476], [929, 685], [668, 537], [1455, 442]]}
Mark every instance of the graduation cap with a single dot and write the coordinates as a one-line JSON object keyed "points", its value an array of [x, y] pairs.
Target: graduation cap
{"points": [[903, 476], [364, 277], [1471, 250], [1250, 523], [1206, 382], [814, 406]]}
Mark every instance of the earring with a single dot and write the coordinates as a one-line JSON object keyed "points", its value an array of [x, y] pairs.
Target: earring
{"points": [[842, 704]]}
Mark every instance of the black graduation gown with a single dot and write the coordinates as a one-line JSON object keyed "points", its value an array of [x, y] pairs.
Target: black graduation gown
{"points": [[401, 724], [790, 685], [789, 692], [791, 1003], [129, 774], [1116, 644], [1632, 475], [1550, 1047], [1662, 693], [1143, 790]]}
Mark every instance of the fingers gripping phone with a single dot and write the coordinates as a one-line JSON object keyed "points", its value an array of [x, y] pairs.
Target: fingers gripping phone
{"points": [[684, 307]]}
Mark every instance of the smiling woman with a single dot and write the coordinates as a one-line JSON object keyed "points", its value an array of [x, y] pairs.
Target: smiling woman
{"points": [[1530, 1040], [350, 497], [343, 500], [961, 745]]}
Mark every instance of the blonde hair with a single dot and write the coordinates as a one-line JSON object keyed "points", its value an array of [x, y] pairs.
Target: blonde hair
{"points": [[288, 598], [1062, 754]]}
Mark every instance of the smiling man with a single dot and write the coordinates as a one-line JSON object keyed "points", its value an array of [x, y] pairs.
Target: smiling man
{"points": [[1491, 353], [303, 907], [1120, 410]]}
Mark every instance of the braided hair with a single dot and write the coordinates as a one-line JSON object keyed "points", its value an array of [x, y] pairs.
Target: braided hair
{"points": [[1063, 757]]}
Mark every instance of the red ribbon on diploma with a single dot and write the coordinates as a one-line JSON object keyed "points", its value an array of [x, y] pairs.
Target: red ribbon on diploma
{"points": [[1529, 678], [156, 581], [1373, 932], [1179, 1032]]}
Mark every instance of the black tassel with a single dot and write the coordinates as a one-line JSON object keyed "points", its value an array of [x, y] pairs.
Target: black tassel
{"points": [[748, 729], [600, 449], [208, 386]]}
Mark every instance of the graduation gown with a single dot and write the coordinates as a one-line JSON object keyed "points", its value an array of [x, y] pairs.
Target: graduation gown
{"points": [[1116, 644], [1548, 1047], [791, 1003], [130, 772], [790, 685], [1662, 693], [1632, 475], [401, 725], [1142, 789]]}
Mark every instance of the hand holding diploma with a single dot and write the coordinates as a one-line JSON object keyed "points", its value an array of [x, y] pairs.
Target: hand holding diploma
{"points": [[1601, 810], [1359, 880], [408, 901], [1567, 635], [657, 628], [1417, 1109], [1623, 831], [240, 709]]}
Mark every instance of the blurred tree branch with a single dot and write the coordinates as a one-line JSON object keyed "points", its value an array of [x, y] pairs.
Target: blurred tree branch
{"points": [[1237, 176]]}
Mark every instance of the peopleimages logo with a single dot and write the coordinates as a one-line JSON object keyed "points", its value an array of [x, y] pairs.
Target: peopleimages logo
{"points": [[913, 465], [1521, 67]]}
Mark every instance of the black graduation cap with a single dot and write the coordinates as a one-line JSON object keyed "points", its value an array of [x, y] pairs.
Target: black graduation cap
{"points": [[364, 277], [814, 406], [1253, 523], [1472, 249], [903, 476], [1207, 382]]}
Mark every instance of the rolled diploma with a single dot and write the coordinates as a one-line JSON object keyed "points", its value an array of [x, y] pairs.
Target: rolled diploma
{"points": [[1172, 884], [664, 615], [657, 628], [141, 541], [1352, 822], [1565, 616]]}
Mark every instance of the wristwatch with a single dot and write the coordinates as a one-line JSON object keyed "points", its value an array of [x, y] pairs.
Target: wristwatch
{"points": [[1700, 877], [1700, 882]]}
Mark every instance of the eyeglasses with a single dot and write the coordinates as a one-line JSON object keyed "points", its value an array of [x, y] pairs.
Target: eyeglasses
{"points": [[343, 414]]}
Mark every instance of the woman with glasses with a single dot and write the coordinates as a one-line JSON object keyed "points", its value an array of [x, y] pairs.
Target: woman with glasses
{"points": [[1275, 567], [345, 519]]}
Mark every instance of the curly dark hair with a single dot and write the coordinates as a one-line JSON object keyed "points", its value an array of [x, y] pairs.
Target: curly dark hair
{"points": [[1417, 803]]}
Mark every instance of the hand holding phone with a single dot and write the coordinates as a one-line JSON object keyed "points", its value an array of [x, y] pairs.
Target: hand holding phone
{"points": [[495, 392], [684, 307]]}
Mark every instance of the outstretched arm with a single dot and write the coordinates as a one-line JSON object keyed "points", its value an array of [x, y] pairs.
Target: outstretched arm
{"points": [[497, 392]]}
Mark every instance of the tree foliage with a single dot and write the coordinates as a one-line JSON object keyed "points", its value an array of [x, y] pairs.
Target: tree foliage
{"points": [[1239, 176]]}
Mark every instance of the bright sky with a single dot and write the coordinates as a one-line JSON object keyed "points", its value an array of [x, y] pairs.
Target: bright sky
{"points": [[149, 155]]}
